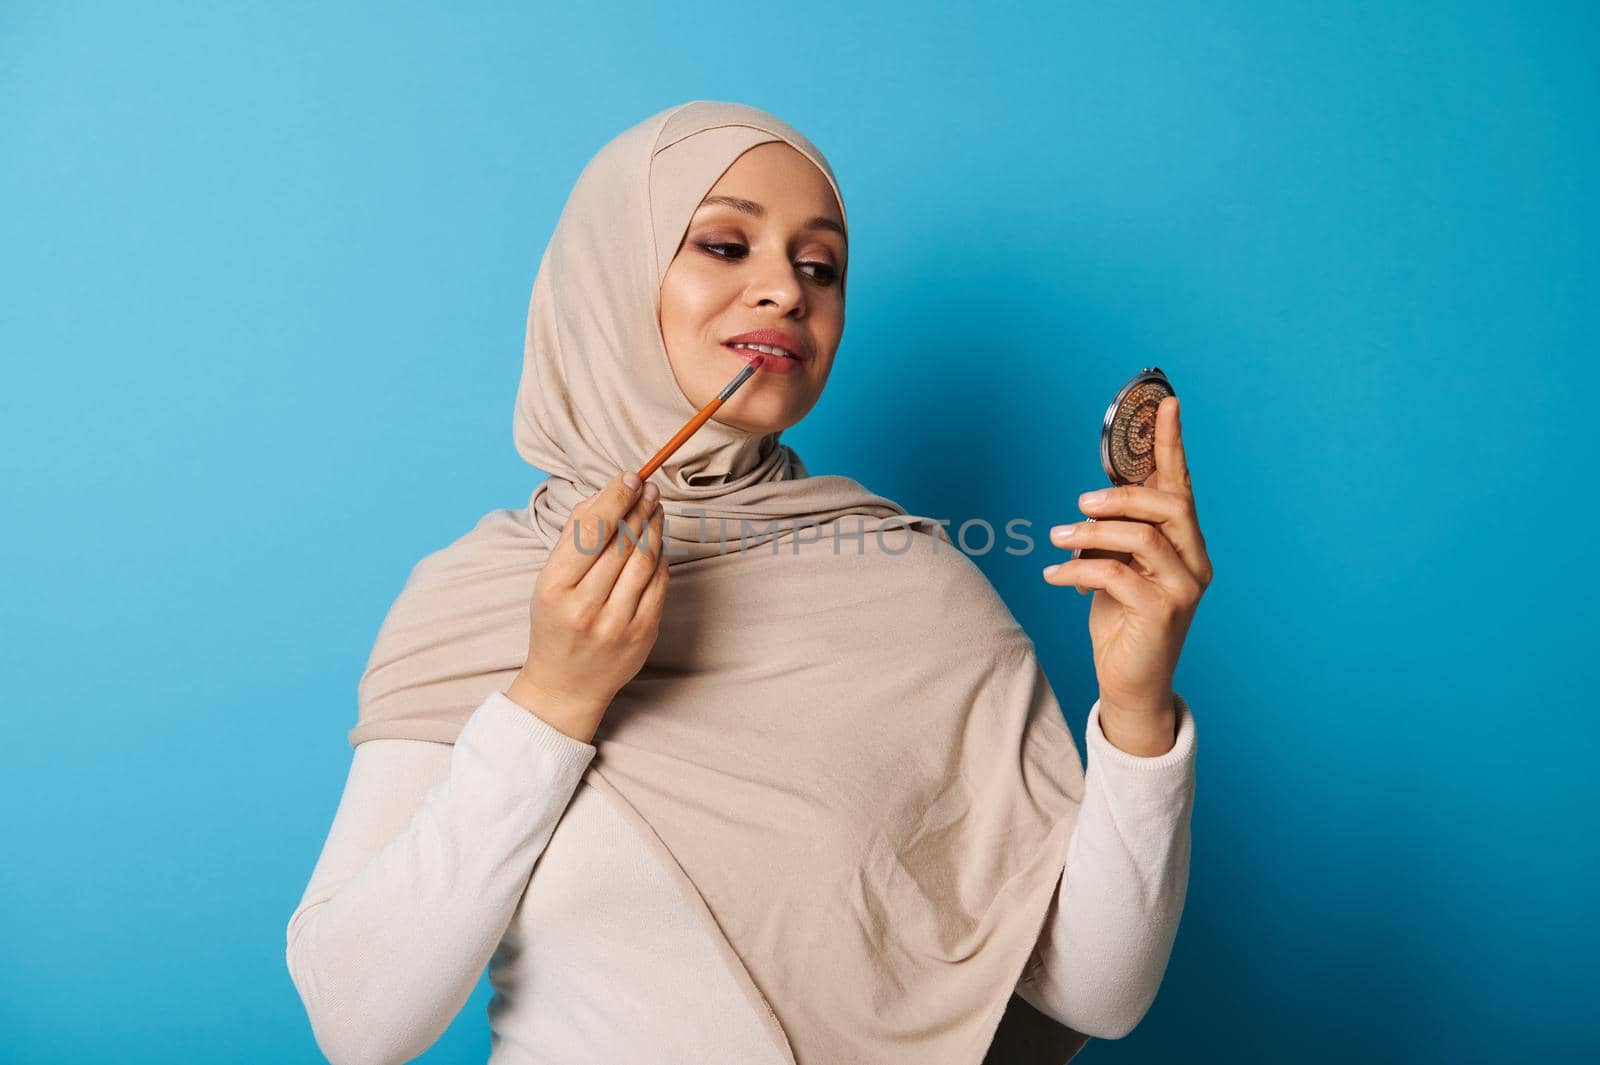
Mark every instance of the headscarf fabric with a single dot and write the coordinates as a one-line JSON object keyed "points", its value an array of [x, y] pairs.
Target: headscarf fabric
{"points": [[842, 745]]}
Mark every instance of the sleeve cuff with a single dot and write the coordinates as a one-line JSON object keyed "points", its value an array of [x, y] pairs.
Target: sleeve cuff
{"points": [[1183, 747], [511, 722]]}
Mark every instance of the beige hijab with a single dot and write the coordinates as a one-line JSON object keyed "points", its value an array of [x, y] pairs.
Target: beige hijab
{"points": [[842, 745]]}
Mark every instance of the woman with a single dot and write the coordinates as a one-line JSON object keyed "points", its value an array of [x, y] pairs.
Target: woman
{"points": [[815, 803]]}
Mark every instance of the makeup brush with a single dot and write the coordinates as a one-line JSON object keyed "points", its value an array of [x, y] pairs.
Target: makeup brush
{"points": [[698, 420]]}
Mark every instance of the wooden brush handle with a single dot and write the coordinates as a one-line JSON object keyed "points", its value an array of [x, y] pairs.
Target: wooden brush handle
{"points": [[679, 437]]}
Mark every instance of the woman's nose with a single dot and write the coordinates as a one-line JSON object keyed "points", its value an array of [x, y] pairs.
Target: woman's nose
{"points": [[775, 282]]}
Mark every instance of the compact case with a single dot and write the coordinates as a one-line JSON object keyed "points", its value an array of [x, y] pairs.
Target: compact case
{"points": [[1128, 439]]}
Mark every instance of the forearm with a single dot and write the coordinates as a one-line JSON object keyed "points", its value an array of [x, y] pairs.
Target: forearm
{"points": [[1109, 935], [384, 953]]}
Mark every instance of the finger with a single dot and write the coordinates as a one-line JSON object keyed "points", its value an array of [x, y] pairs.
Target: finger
{"points": [[638, 571], [655, 593], [1173, 514], [1189, 540], [624, 540], [1172, 463], [1134, 592], [574, 551], [1156, 556], [592, 526]]}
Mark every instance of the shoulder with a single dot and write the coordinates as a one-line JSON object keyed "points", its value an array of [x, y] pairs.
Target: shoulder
{"points": [[932, 577], [463, 603]]}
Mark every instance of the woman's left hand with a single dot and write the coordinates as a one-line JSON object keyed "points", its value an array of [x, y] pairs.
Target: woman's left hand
{"points": [[1142, 609]]}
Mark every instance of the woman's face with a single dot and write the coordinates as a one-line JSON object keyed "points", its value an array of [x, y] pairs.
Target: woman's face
{"points": [[771, 259]]}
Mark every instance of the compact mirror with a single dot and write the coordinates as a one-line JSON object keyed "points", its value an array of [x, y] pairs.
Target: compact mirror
{"points": [[1128, 439]]}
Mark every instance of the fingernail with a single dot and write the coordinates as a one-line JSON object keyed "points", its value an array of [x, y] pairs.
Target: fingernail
{"points": [[631, 479], [1092, 499], [651, 491], [1050, 571], [1063, 532]]}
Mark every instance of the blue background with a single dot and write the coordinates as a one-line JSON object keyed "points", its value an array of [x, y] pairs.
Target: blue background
{"points": [[263, 278]]}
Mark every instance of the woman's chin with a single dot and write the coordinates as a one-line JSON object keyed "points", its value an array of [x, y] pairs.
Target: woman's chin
{"points": [[755, 428], [759, 418]]}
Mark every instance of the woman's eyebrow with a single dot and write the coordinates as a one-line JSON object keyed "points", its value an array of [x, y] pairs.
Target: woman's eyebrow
{"points": [[750, 207]]}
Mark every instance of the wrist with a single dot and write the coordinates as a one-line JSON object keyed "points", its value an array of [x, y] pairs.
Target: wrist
{"points": [[574, 717], [1146, 732]]}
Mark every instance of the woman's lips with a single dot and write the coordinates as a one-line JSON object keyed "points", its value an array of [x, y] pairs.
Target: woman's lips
{"points": [[770, 363]]}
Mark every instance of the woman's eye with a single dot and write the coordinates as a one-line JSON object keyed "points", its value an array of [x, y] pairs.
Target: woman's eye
{"points": [[825, 273]]}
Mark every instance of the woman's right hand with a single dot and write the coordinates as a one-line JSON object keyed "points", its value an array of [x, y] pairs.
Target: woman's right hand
{"points": [[595, 613]]}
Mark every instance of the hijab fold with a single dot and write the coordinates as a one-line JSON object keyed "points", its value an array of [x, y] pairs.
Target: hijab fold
{"points": [[842, 744]]}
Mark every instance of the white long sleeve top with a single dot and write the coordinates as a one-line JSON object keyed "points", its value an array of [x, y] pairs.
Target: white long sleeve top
{"points": [[443, 858]]}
